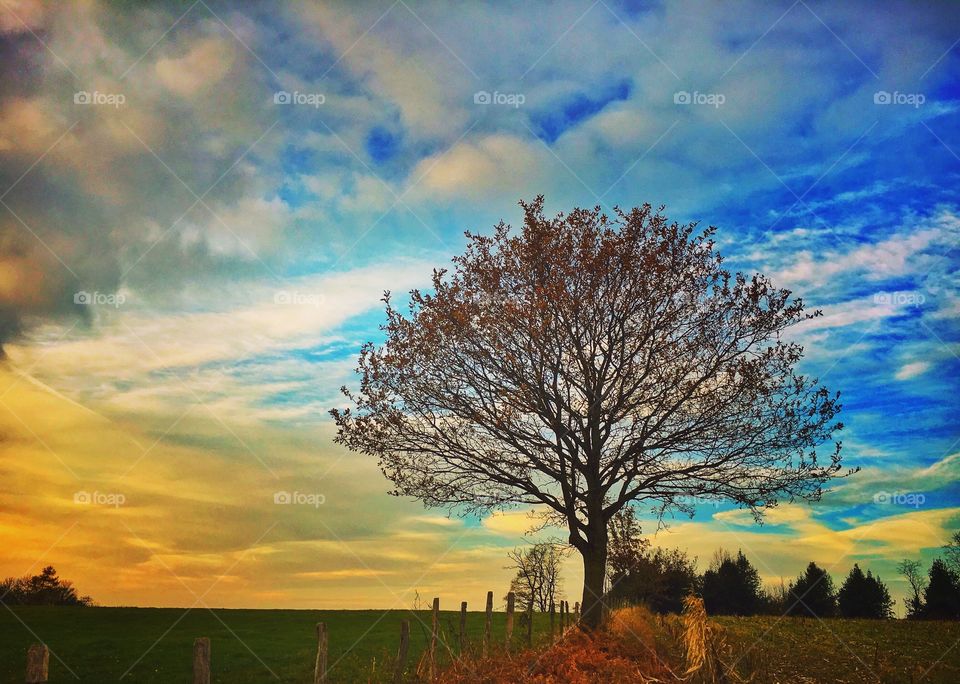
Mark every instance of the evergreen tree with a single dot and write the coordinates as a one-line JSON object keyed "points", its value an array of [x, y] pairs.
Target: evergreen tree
{"points": [[731, 586], [864, 596], [812, 594], [880, 601], [46, 589], [941, 599]]}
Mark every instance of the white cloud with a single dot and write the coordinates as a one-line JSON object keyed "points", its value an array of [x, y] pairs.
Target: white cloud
{"points": [[129, 347], [422, 88], [912, 370], [489, 167], [885, 259], [203, 66], [242, 229]]}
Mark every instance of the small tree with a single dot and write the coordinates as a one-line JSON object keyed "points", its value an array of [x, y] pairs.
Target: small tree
{"points": [[775, 598], [676, 578], [46, 589], [656, 577], [864, 596], [627, 546], [588, 363], [813, 594], [941, 599], [537, 580], [912, 571], [731, 586]]}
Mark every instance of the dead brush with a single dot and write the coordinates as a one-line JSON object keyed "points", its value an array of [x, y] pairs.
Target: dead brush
{"points": [[634, 646], [635, 630], [706, 651]]}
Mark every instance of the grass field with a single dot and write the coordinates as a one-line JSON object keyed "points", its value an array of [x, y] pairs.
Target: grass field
{"points": [[154, 645], [811, 650]]}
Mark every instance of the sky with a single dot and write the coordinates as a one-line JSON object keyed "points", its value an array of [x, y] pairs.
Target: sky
{"points": [[201, 205]]}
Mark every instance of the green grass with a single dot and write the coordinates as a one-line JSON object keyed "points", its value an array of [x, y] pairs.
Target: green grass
{"points": [[101, 644], [836, 650]]}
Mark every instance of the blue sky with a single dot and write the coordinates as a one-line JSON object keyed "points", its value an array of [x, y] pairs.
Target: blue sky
{"points": [[242, 183]]}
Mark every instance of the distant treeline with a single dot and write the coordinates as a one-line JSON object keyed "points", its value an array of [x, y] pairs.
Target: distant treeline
{"points": [[660, 579], [935, 595], [45, 589]]}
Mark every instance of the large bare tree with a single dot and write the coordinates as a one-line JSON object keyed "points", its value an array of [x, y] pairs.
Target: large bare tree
{"points": [[586, 363]]}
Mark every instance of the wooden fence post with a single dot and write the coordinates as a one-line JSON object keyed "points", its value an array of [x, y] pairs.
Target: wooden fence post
{"points": [[434, 634], [38, 664], [510, 605], [402, 653], [320, 667], [201, 660], [553, 618], [463, 626], [488, 627]]}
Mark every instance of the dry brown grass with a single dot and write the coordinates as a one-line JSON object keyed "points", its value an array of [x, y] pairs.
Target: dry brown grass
{"points": [[634, 646], [706, 651]]}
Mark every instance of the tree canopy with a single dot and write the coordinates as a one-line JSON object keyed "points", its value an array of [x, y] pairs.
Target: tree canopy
{"points": [[587, 363]]}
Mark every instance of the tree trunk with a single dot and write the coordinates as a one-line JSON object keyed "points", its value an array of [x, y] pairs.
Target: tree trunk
{"points": [[594, 574]]}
